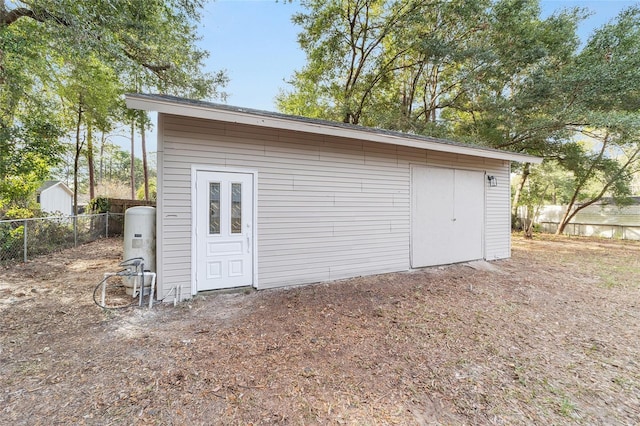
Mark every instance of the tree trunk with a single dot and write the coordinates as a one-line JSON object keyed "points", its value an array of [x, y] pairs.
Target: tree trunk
{"points": [[92, 182], [569, 214], [76, 159], [527, 227], [526, 171], [145, 169], [133, 161], [564, 221]]}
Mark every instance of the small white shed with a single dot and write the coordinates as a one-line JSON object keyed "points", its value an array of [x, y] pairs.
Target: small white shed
{"points": [[55, 197], [254, 198]]}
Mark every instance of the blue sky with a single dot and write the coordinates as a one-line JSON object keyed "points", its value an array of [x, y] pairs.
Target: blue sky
{"points": [[255, 41]]}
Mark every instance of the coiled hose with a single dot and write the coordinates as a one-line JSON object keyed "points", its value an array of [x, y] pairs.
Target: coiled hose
{"points": [[137, 262]]}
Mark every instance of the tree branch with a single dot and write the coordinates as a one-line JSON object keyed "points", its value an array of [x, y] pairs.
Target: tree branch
{"points": [[568, 214], [151, 67], [10, 17]]}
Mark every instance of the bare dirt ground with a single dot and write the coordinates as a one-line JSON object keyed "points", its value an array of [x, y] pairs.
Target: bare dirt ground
{"points": [[551, 336]]}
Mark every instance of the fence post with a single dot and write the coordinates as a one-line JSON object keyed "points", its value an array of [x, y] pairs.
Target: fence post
{"points": [[106, 226], [25, 240]]}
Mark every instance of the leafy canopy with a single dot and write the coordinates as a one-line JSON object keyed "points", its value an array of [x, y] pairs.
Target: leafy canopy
{"points": [[60, 57]]}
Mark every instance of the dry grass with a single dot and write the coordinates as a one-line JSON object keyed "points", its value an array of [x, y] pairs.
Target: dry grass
{"points": [[550, 336]]}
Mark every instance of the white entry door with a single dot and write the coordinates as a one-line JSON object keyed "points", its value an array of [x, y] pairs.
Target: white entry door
{"points": [[224, 230], [447, 216]]}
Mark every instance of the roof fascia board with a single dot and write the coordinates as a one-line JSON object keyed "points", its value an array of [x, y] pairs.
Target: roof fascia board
{"points": [[66, 188], [62, 185], [238, 117]]}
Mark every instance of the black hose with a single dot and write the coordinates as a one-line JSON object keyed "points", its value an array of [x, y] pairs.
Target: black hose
{"points": [[129, 262], [138, 262], [95, 300]]}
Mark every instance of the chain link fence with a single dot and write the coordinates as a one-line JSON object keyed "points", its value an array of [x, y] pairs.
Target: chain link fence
{"points": [[22, 239]]}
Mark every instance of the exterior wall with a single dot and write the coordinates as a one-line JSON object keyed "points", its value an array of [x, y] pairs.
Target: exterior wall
{"points": [[498, 212], [327, 208], [56, 200], [164, 286]]}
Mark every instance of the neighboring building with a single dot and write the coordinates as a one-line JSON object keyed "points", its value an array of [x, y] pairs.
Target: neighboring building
{"points": [[55, 197], [602, 219], [252, 198]]}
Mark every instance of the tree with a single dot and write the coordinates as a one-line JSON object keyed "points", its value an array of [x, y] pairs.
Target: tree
{"points": [[27, 152], [604, 84], [44, 42], [143, 145], [345, 42], [581, 114], [443, 68], [90, 93], [607, 169], [151, 191], [154, 36], [29, 123]]}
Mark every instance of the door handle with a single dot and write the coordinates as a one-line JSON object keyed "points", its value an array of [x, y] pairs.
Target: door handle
{"points": [[248, 244]]}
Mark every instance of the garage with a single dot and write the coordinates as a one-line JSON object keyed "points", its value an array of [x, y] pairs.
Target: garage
{"points": [[250, 198]]}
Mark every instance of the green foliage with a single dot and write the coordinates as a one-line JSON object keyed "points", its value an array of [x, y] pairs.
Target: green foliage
{"points": [[113, 165], [354, 48], [43, 236], [153, 37], [65, 64], [153, 190], [11, 241], [19, 213], [456, 68], [99, 205], [92, 86], [28, 148]]}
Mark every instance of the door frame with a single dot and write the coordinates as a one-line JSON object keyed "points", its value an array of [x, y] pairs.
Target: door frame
{"points": [[195, 168], [411, 206]]}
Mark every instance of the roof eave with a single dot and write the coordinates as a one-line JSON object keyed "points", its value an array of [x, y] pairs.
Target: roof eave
{"points": [[62, 185], [165, 106]]}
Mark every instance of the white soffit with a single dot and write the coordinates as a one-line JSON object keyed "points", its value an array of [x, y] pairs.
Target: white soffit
{"points": [[197, 109]]}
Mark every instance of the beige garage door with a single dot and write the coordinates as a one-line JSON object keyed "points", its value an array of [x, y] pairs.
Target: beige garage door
{"points": [[447, 215]]}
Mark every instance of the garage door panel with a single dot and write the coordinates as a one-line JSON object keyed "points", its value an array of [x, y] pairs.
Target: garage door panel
{"points": [[469, 215], [447, 215]]}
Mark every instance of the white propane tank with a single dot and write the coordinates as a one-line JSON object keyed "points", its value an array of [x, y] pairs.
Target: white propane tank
{"points": [[140, 241]]}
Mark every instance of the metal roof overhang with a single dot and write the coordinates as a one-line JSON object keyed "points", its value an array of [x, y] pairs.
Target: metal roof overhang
{"points": [[197, 109]]}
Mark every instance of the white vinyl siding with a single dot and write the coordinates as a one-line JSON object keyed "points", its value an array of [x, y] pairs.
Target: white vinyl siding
{"points": [[498, 213], [56, 199], [327, 208]]}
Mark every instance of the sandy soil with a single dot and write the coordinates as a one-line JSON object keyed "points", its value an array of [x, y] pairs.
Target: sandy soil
{"points": [[551, 336]]}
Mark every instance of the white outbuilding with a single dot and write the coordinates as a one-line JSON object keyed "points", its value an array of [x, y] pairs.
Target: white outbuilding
{"points": [[55, 197], [261, 199]]}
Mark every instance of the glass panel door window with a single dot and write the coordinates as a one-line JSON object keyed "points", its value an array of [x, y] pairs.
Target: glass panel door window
{"points": [[236, 208], [214, 208]]}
